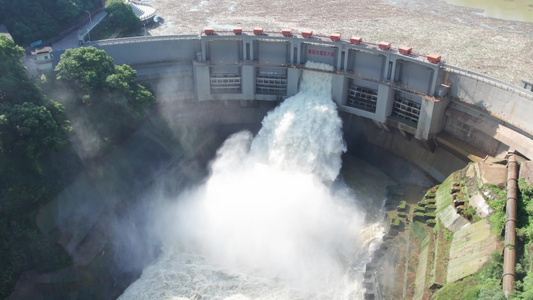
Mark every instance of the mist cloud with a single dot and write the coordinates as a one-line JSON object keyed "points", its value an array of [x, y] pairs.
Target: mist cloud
{"points": [[266, 223]]}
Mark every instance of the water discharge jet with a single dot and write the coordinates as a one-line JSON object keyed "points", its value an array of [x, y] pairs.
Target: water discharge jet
{"points": [[266, 223]]}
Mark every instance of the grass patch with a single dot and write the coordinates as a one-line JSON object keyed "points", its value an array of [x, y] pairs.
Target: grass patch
{"points": [[419, 230], [443, 196], [106, 28], [496, 199], [441, 255], [402, 205], [103, 30], [524, 246], [420, 209], [497, 221], [471, 249], [431, 193], [467, 289], [470, 214], [482, 285], [431, 207], [422, 268], [430, 215]]}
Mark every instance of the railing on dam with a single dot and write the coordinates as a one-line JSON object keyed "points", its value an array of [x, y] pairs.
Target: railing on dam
{"points": [[141, 39], [491, 81]]}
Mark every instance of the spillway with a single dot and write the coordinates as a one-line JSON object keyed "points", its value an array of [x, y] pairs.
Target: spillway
{"points": [[267, 223]]}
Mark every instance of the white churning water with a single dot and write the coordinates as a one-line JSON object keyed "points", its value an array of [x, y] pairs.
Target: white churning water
{"points": [[266, 224]]}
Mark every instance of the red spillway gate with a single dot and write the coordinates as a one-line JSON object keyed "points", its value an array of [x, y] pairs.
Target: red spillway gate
{"points": [[307, 33], [356, 40], [335, 37], [405, 50], [434, 58], [286, 32]]}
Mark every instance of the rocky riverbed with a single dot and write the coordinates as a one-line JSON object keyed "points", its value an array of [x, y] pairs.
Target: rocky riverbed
{"points": [[462, 36]]}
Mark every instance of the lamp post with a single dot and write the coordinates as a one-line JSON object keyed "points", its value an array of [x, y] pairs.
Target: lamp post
{"points": [[91, 24], [90, 18]]}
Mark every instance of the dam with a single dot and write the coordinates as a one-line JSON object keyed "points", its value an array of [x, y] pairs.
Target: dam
{"points": [[435, 116], [396, 90]]}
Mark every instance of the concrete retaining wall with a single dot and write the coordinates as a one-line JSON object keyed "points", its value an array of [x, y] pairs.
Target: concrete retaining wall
{"points": [[509, 103], [148, 50]]}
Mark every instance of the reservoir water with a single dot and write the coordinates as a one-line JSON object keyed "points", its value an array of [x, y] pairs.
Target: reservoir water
{"points": [[515, 10]]}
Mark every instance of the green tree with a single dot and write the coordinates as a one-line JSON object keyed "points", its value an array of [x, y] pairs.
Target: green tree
{"points": [[68, 10], [124, 81], [122, 15], [9, 51], [93, 71], [30, 123], [30, 20], [15, 87], [491, 294], [32, 129], [87, 66], [143, 99]]}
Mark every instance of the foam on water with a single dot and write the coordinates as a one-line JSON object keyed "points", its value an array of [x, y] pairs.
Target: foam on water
{"points": [[304, 133], [266, 224]]}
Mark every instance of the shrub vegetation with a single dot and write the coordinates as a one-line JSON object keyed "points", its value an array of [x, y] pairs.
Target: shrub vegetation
{"points": [[30, 20]]}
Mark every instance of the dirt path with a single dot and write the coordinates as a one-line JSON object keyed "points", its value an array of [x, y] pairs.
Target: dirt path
{"points": [[498, 48]]}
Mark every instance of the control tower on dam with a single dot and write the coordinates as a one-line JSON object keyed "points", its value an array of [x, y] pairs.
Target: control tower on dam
{"points": [[410, 96]]}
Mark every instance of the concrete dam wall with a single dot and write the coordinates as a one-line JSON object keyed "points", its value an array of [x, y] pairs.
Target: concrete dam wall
{"points": [[413, 105]]}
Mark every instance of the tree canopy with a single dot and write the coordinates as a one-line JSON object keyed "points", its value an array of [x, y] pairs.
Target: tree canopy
{"points": [[124, 81], [30, 20], [14, 84], [93, 70], [32, 126], [122, 15], [34, 129], [30, 123], [87, 66]]}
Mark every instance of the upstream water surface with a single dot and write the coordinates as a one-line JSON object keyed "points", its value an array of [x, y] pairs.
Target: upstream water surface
{"points": [[516, 10]]}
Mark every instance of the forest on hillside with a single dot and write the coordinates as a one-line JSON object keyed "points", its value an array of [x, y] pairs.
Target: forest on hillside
{"points": [[38, 157], [30, 20]]}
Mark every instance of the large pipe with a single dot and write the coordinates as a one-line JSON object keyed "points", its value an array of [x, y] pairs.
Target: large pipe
{"points": [[509, 254]]}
